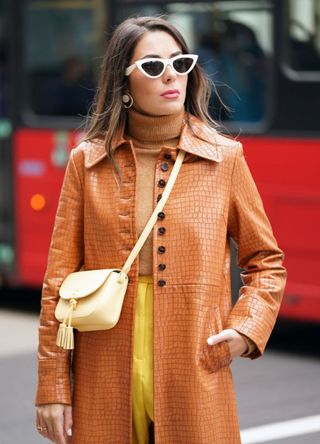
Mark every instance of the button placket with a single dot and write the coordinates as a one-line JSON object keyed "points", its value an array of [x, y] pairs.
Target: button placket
{"points": [[164, 166]]}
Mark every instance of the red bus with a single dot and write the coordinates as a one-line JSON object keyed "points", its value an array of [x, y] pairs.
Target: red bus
{"points": [[264, 58]]}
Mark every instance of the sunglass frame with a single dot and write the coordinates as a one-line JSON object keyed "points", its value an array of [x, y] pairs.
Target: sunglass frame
{"points": [[138, 64]]}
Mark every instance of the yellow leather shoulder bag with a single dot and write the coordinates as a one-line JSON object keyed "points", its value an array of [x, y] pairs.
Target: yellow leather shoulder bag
{"points": [[92, 299]]}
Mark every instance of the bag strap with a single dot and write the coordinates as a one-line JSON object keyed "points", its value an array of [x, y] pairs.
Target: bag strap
{"points": [[145, 233]]}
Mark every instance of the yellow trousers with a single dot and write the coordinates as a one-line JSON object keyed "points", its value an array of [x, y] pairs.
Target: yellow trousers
{"points": [[142, 391]]}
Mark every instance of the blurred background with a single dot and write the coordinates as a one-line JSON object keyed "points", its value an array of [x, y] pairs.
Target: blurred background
{"points": [[264, 57]]}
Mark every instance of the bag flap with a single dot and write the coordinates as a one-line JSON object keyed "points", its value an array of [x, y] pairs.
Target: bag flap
{"points": [[82, 283]]}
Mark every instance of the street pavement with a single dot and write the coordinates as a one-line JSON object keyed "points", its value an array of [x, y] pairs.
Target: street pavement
{"points": [[283, 385]]}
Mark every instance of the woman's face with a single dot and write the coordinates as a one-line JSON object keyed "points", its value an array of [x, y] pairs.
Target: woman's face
{"points": [[149, 95]]}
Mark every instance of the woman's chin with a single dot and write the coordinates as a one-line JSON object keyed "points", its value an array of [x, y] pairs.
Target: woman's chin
{"points": [[167, 109]]}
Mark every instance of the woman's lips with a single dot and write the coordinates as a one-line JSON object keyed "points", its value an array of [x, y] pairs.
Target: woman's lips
{"points": [[171, 94]]}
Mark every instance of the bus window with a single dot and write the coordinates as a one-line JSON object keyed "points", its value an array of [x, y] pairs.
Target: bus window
{"points": [[303, 44], [234, 42], [63, 45]]}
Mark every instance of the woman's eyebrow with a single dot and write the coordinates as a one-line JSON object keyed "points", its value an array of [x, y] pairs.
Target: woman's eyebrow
{"points": [[156, 56]]}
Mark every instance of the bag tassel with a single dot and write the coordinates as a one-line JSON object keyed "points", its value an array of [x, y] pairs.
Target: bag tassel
{"points": [[68, 339], [65, 338], [60, 335]]}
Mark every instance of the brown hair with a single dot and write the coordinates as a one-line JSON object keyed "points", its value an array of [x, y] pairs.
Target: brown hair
{"points": [[108, 115]]}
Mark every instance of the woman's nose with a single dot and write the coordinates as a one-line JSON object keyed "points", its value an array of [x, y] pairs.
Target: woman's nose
{"points": [[168, 74]]}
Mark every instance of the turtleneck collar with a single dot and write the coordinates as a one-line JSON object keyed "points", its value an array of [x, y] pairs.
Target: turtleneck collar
{"points": [[154, 128]]}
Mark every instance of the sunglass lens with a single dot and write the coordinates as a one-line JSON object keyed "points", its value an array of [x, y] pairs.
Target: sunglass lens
{"points": [[183, 65], [153, 68]]}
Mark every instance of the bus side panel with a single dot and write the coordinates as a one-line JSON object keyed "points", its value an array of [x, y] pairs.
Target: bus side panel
{"points": [[40, 157], [286, 172]]}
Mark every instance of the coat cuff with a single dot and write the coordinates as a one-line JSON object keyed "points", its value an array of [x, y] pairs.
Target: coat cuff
{"points": [[255, 320], [53, 382], [251, 346]]}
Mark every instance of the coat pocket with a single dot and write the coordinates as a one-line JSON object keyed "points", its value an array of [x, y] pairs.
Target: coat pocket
{"points": [[213, 357]]}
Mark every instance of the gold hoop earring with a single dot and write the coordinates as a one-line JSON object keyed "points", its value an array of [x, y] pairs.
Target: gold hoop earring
{"points": [[127, 100]]}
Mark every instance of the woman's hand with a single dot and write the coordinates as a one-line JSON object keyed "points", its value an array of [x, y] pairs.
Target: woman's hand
{"points": [[237, 344], [54, 421]]}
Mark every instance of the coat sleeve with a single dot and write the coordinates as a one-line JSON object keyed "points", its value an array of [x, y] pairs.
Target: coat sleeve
{"points": [[65, 256], [264, 276]]}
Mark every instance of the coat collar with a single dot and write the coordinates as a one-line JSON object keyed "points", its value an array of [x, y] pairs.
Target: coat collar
{"points": [[199, 140]]}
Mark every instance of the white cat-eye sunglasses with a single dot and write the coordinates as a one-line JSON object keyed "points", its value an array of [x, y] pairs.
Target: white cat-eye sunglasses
{"points": [[154, 67]]}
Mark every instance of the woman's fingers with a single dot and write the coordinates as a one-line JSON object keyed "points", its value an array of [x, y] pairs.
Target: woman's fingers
{"points": [[58, 429], [68, 420], [50, 430], [50, 415], [41, 425]]}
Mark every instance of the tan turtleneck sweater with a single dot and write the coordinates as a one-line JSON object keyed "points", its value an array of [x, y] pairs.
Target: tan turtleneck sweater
{"points": [[149, 134]]}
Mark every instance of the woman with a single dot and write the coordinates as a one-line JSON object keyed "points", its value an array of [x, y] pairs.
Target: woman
{"points": [[166, 365]]}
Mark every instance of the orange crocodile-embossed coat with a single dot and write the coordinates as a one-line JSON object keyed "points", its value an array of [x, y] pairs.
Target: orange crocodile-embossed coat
{"points": [[214, 198]]}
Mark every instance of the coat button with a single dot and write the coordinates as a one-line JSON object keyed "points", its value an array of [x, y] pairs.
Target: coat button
{"points": [[164, 166], [161, 282], [161, 249], [161, 215], [161, 267], [161, 230], [159, 197], [161, 183], [167, 156]]}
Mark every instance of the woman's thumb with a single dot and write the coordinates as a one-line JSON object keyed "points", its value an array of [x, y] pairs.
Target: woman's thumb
{"points": [[68, 420]]}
